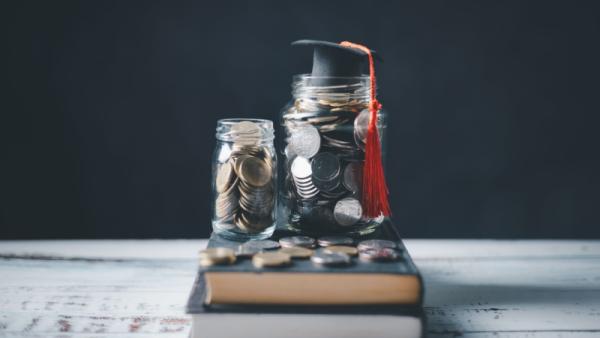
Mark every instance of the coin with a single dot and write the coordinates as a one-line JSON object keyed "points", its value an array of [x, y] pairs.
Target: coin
{"points": [[301, 241], [254, 171], [251, 248], [322, 257], [216, 256], [347, 211], [335, 240], [379, 254], [348, 250], [297, 252], [260, 245], [301, 168], [224, 177], [301, 174], [352, 178], [361, 127], [271, 259], [376, 244], [325, 166], [305, 141]]}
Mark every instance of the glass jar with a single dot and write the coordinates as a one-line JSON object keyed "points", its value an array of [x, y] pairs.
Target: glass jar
{"points": [[325, 127], [244, 184]]}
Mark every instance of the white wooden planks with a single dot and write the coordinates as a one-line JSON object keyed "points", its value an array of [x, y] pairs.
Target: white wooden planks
{"points": [[474, 288]]}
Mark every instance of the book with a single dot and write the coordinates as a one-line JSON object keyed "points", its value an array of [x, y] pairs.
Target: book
{"points": [[256, 321], [304, 283]]}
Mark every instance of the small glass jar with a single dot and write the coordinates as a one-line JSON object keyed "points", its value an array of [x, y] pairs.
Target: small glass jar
{"points": [[325, 127], [244, 185]]}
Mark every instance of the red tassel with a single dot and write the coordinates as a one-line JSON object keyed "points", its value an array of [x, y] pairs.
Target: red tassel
{"points": [[374, 188]]}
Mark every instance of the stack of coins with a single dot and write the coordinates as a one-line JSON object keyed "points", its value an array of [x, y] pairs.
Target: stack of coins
{"points": [[324, 151], [245, 182]]}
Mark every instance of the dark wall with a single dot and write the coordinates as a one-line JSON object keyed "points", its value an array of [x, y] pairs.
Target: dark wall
{"points": [[108, 114]]}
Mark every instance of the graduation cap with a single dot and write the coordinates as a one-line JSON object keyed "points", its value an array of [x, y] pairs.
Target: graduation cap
{"points": [[330, 59]]}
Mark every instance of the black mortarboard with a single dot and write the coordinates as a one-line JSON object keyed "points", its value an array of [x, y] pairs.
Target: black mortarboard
{"points": [[332, 59]]}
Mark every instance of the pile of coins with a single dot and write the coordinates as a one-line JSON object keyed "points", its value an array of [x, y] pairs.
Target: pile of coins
{"points": [[244, 181], [334, 251], [324, 154]]}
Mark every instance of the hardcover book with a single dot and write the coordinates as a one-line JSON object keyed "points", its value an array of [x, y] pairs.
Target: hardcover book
{"points": [[304, 283]]}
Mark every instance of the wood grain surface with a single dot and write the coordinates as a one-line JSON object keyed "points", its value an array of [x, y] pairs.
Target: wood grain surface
{"points": [[138, 288]]}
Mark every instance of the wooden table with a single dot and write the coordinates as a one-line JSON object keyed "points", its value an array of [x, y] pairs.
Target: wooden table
{"points": [[138, 288]]}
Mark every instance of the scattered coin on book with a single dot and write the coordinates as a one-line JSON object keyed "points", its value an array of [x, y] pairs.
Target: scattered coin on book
{"points": [[376, 244], [348, 250], [301, 241], [259, 245], [379, 254], [216, 256], [297, 252], [271, 259], [335, 240], [323, 257]]}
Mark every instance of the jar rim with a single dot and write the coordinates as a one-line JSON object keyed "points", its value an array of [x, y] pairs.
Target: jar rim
{"points": [[231, 120], [310, 76]]}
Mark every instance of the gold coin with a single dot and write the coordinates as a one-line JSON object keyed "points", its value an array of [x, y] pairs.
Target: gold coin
{"points": [[254, 171], [271, 259], [216, 256], [348, 250], [297, 252], [224, 177]]}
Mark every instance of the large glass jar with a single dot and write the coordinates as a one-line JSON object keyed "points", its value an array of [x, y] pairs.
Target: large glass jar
{"points": [[324, 128], [244, 181]]}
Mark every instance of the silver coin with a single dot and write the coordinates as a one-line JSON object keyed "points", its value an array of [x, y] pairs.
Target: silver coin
{"points": [[325, 166], [322, 257], [259, 245], [347, 211], [352, 179], [301, 241], [301, 168], [335, 240], [376, 244], [361, 127], [380, 254], [305, 141]]}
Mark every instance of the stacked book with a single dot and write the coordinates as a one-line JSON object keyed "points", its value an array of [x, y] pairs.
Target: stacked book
{"points": [[366, 298]]}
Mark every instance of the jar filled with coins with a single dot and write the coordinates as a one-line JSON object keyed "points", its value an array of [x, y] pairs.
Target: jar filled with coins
{"points": [[244, 179], [325, 128]]}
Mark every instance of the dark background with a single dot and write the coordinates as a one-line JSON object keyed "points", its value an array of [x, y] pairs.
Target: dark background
{"points": [[109, 108]]}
